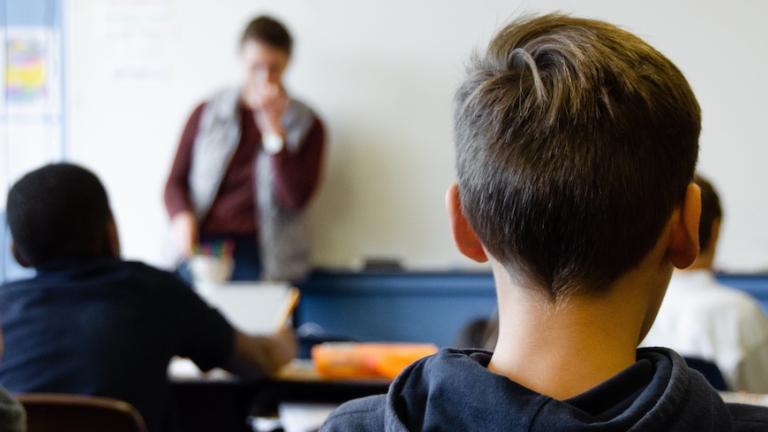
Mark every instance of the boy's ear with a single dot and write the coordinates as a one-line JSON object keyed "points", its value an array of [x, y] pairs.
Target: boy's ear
{"points": [[684, 235], [18, 257], [113, 239], [463, 234]]}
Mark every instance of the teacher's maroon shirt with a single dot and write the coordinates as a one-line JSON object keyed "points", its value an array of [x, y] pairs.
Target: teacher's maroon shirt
{"points": [[233, 210]]}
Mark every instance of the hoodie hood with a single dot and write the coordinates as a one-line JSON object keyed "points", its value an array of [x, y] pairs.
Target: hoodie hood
{"points": [[453, 390]]}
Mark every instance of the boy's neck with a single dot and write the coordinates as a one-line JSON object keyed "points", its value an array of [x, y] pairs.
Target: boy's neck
{"points": [[564, 348]]}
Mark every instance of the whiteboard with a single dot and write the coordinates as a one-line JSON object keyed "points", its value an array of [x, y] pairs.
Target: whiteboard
{"points": [[382, 76]]}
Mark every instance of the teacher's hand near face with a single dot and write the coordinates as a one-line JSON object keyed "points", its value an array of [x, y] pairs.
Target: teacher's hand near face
{"points": [[269, 102]]}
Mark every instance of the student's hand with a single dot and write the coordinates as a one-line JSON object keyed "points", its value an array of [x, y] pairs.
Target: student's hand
{"points": [[184, 226]]}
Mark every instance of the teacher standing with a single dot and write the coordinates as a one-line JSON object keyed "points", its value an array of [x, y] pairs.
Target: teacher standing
{"points": [[247, 164]]}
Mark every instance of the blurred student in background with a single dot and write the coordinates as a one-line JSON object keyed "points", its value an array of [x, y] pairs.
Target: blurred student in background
{"points": [[702, 318], [91, 323], [248, 163]]}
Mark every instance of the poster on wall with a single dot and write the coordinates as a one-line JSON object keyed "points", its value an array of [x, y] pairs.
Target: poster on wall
{"points": [[30, 101], [30, 73]]}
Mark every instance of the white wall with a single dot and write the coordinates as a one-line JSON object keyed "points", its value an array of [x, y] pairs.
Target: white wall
{"points": [[382, 75]]}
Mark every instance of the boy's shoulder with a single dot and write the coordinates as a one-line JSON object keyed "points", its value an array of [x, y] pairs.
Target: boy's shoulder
{"points": [[132, 270], [150, 280], [109, 274], [366, 414], [143, 269]]}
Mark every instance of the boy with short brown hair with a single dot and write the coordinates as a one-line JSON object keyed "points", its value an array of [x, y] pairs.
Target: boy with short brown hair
{"points": [[576, 147]]}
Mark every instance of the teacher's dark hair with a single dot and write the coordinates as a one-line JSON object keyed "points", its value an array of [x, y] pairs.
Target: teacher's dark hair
{"points": [[269, 31], [59, 211], [575, 140]]}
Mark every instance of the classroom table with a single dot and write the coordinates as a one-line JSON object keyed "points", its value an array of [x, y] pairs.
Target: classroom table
{"points": [[223, 402], [298, 382]]}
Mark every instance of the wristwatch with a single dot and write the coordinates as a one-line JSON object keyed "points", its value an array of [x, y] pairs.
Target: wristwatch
{"points": [[272, 143]]}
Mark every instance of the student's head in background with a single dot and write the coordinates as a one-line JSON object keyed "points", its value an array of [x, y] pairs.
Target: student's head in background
{"points": [[709, 227], [60, 212], [265, 50], [576, 146]]}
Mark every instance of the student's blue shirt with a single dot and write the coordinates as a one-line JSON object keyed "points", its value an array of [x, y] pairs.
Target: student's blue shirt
{"points": [[107, 327]]}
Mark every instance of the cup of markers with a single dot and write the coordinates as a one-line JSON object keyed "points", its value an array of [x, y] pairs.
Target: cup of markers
{"points": [[212, 263]]}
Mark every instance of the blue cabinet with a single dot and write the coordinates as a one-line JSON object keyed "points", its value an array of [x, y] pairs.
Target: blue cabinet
{"points": [[420, 306]]}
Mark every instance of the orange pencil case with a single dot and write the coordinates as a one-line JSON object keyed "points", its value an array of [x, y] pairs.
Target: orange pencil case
{"points": [[343, 360]]}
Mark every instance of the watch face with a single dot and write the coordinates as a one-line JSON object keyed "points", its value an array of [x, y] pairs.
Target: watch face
{"points": [[273, 143]]}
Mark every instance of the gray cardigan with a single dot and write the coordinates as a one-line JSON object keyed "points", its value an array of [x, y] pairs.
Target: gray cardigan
{"points": [[283, 236]]}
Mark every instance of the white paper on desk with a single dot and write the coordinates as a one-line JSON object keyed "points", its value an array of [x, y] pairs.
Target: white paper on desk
{"points": [[303, 417], [745, 398], [251, 307]]}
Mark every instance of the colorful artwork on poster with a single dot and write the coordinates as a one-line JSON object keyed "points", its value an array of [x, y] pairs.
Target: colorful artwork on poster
{"points": [[25, 74], [30, 72]]}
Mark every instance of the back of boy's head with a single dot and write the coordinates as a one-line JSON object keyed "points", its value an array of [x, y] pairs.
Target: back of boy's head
{"points": [[711, 211], [575, 140], [57, 212]]}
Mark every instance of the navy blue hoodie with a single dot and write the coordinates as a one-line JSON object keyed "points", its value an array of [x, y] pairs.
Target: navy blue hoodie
{"points": [[453, 391]]}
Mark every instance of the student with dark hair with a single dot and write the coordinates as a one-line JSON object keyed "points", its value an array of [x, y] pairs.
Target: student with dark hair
{"points": [[576, 145], [90, 323], [701, 318], [247, 165]]}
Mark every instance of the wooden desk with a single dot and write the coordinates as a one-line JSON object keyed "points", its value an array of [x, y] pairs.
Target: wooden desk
{"points": [[222, 402], [299, 382]]}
